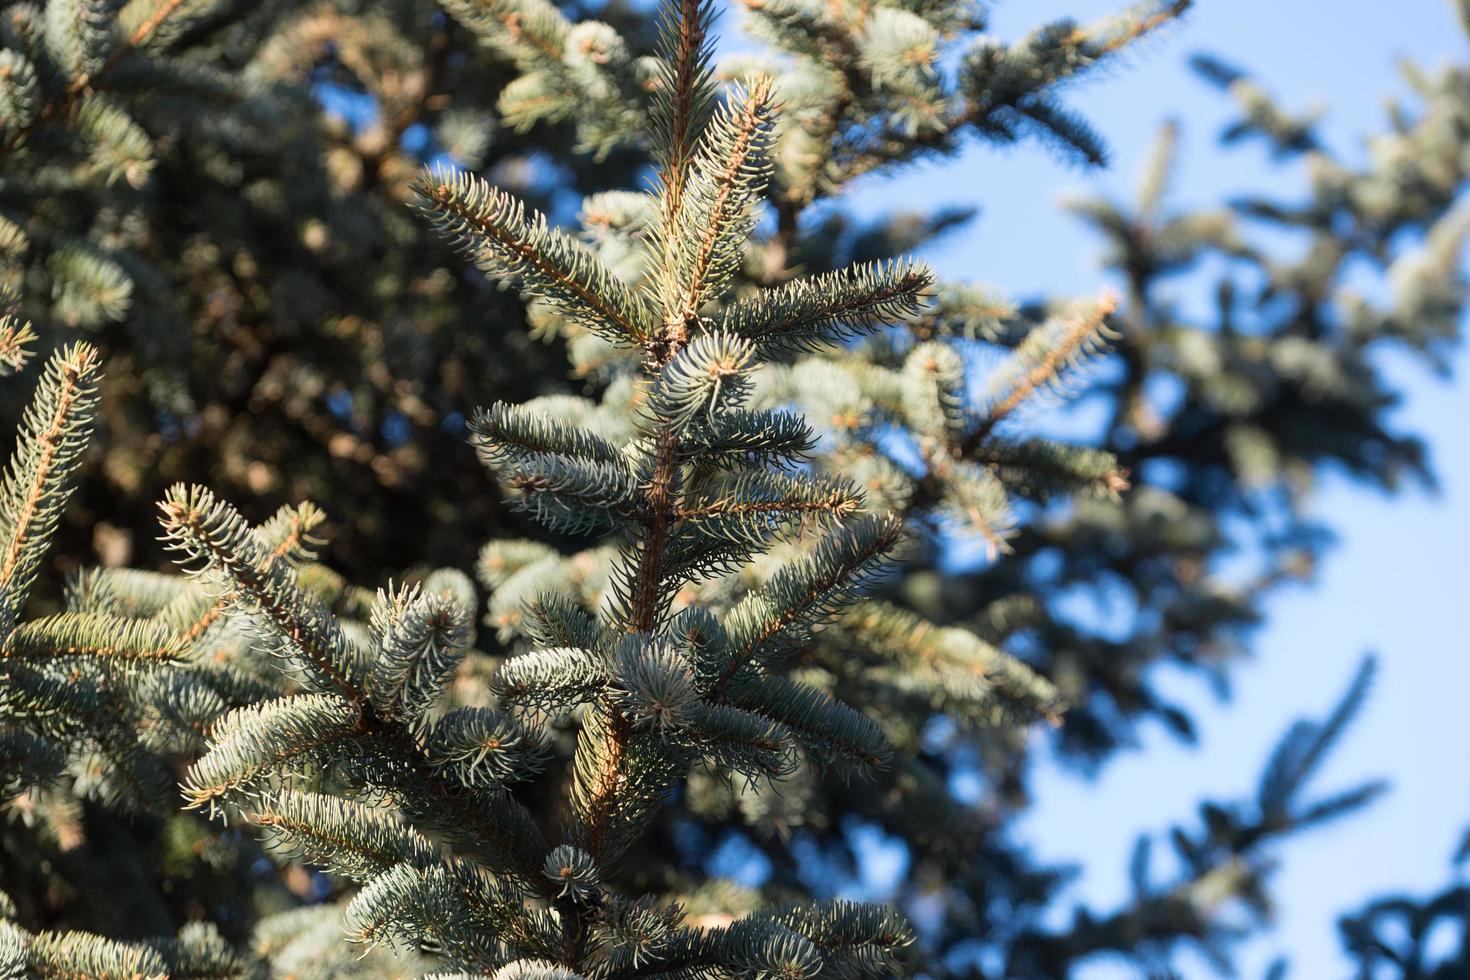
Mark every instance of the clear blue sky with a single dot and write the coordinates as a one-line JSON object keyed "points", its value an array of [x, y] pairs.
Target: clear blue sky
{"points": [[1396, 582]]}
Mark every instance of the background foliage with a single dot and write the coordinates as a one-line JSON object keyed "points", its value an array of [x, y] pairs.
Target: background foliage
{"points": [[277, 324]]}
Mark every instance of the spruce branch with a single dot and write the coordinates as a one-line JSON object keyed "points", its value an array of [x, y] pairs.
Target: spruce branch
{"points": [[212, 536], [20, 97], [487, 821], [16, 335], [686, 92], [716, 212], [609, 796], [89, 286], [1044, 468], [1303, 749], [809, 313], [71, 635], [486, 747], [478, 920], [78, 954], [565, 494], [933, 393], [501, 560], [740, 741], [86, 81], [567, 478], [83, 709], [289, 538], [127, 592], [342, 836], [707, 376], [119, 149], [1002, 93], [686, 97], [835, 732], [749, 509], [495, 232], [976, 498], [28, 760], [550, 680], [531, 33], [407, 902], [199, 952], [421, 638], [913, 644], [213, 539], [259, 739], [53, 434], [741, 439], [77, 36], [553, 620], [144, 21], [1040, 361], [504, 434], [852, 937], [805, 591]]}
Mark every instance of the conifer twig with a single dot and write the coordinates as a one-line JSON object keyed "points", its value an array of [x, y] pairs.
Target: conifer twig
{"points": [[1067, 345], [78, 86], [74, 371], [299, 528]]}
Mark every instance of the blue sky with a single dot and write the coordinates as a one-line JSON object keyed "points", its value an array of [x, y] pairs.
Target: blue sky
{"points": [[1396, 581]]}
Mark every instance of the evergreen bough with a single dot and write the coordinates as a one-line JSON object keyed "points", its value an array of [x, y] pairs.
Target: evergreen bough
{"points": [[771, 463]]}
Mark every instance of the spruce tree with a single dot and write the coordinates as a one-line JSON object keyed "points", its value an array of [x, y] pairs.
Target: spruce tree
{"points": [[728, 615]]}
